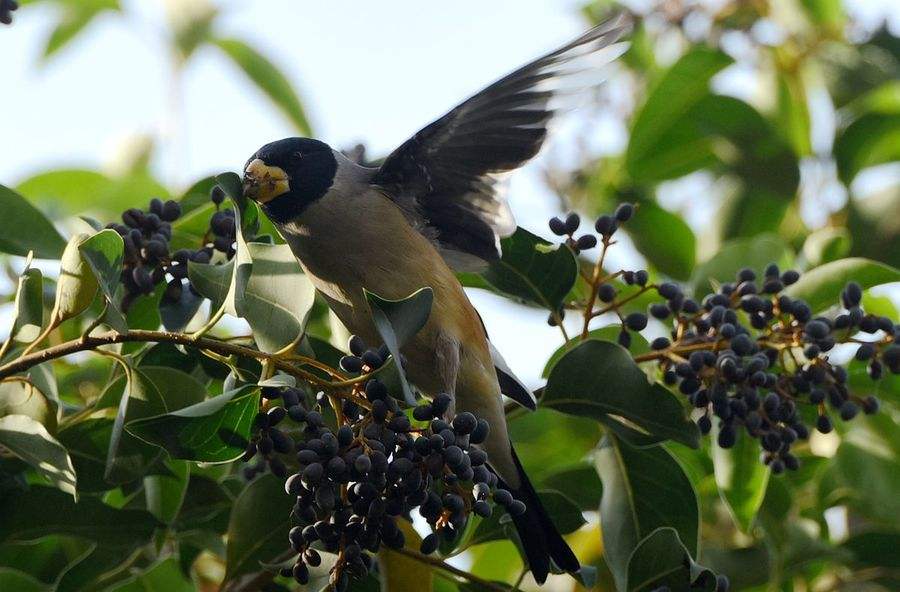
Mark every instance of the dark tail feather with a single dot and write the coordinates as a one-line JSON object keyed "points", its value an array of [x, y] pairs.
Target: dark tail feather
{"points": [[540, 538]]}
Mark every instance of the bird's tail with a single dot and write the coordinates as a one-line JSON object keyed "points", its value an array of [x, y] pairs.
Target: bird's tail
{"points": [[540, 538]]}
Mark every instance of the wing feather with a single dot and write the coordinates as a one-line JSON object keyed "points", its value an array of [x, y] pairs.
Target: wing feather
{"points": [[446, 176]]}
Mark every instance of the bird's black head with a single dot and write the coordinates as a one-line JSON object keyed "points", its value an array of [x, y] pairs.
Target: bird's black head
{"points": [[286, 176]]}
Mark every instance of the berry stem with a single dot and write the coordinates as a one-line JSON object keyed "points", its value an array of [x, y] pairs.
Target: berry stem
{"points": [[595, 285]]}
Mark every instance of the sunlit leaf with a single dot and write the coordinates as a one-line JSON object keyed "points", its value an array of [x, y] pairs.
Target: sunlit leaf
{"points": [[278, 297], [755, 253], [104, 252], [268, 78], [30, 441], [821, 287], [28, 314], [76, 286], [660, 146]]}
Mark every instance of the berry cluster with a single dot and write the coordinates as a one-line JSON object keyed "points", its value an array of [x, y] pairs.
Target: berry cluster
{"points": [[749, 354], [351, 485], [6, 9], [146, 236]]}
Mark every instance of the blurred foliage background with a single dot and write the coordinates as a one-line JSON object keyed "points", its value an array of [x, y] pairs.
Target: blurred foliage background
{"points": [[756, 131]]}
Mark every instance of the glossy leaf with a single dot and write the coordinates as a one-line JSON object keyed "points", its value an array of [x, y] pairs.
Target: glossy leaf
{"points": [[397, 321], [18, 397], [88, 445], [609, 333], [216, 430], [399, 573], [104, 252], [531, 270], [269, 79], [278, 297], [661, 560], [28, 313], [258, 527], [162, 577], [30, 441], [661, 146], [741, 478], [599, 379], [664, 239], [24, 228], [643, 489], [11, 579], [580, 483], [76, 286], [821, 287]]}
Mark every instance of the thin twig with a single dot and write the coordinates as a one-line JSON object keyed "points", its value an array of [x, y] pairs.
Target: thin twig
{"points": [[433, 561]]}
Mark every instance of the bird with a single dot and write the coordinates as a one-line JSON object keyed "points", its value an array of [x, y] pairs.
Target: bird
{"points": [[435, 206]]}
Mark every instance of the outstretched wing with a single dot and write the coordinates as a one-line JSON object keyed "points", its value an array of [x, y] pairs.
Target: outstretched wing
{"points": [[445, 177]]}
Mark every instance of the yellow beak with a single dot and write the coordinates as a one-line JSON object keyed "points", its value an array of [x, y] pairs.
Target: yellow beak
{"points": [[263, 183]]}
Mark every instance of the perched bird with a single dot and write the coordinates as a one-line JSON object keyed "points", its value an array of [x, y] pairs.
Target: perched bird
{"points": [[433, 207]]}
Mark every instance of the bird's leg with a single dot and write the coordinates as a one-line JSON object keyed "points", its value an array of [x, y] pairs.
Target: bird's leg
{"points": [[446, 352]]}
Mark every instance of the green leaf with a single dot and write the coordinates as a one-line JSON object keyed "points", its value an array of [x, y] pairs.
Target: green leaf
{"points": [[734, 255], [162, 577], [28, 314], [661, 146], [741, 478], [27, 517], [216, 430], [277, 299], [643, 489], [268, 78], [598, 379], [246, 224], [18, 397], [24, 228], [826, 245], [661, 560], [75, 18], [821, 287], [609, 333], [88, 444], [564, 512], [213, 282], [578, 482], [664, 239], [76, 286], [11, 579], [793, 111], [826, 13], [128, 459], [531, 270], [30, 441], [258, 527], [104, 253], [165, 493], [872, 139], [397, 321]]}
